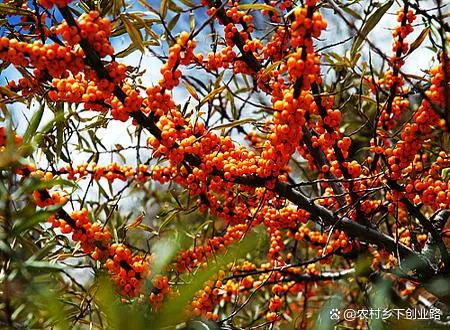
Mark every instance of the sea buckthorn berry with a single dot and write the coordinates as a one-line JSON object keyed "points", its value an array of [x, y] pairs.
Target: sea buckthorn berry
{"points": [[91, 27], [50, 3]]}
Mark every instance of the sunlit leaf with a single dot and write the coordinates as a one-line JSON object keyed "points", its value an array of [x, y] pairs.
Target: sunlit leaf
{"points": [[369, 25], [134, 33], [211, 95], [258, 6], [13, 10], [163, 8], [34, 124], [419, 40], [43, 265], [27, 224], [234, 123], [191, 90], [173, 22], [172, 311], [188, 3]]}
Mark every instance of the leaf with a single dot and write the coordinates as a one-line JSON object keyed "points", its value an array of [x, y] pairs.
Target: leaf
{"points": [[211, 95], [58, 116], [137, 221], [416, 43], [5, 248], [446, 141], [368, 99], [168, 218], [191, 21], [26, 224], [191, 90], [173, 22], [139, 24], [35, 183], [164, 6], [59, 130], [172, 311], [446, 174], [270, 68], [7, 92], [146, 5], [233, 123], [102, 191], [147, 228], [188, 3], [43, 265], [117, 6], [43, 252], [34, 124], [234, 110], [351, 12], [173, 7], [255, 6], [369, 25], [13, 10], [105, 7], [134, 33]]}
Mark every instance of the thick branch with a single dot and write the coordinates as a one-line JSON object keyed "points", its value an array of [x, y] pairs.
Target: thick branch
{"points": [[434, 232]]}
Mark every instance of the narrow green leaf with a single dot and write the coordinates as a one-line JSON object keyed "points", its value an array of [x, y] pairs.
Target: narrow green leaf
{"points": [[256, 6], [173, 7], [234, 111], [164, 6], [13, 10], [139, 24], [34, 124], [172, 312], [7, 92], [146, 5], [173, 22], [5, 248], [168, 218], [105, 7], [134, 33], [211, 95], [124, 53], [33, 184], [191, 90], [117, 7], [233, 123], [188, 3], [416, 43], [191, 21], [270, 68], [60, 125], [49, 126], [351, 12], [26, 224], [369, 25], [43, 265]]}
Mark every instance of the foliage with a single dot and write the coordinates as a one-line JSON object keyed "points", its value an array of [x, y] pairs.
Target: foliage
{"points": [[269, 175]]}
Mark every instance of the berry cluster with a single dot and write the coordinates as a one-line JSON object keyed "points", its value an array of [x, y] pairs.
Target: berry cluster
{"points": [[4, 138], [160, 290], [180, 53], [53, 59], [218, 170], [50, 3], [91, 27], [126, 270]]}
